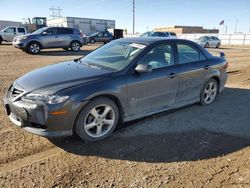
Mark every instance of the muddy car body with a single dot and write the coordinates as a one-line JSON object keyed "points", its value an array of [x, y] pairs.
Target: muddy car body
{"points": [[124, 80]]}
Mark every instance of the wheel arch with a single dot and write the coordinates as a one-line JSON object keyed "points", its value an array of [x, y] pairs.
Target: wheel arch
{"points": [[115, 99], [35, 42], [217, 80]]}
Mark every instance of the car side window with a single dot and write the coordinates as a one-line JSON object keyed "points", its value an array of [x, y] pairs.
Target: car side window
{"points": [[159, 56], [10, 30], [21, 30], [188, 54], [51, 31], [64, 31]]}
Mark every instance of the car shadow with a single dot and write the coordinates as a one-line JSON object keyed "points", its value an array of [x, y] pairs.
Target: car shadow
{"points": [[63, 53], [188, 134]]}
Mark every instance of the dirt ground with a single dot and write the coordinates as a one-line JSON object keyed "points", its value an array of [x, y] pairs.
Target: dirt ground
{"points": [[191, 147]]}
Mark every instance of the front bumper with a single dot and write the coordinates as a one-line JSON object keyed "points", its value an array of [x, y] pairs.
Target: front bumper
{"points": [[17, 43], [36, 118]]}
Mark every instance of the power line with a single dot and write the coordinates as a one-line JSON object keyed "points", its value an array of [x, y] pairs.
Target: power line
{"points": [[55, 12]]}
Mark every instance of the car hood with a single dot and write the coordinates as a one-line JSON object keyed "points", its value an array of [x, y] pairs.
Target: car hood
{"points": [[60, 76]]}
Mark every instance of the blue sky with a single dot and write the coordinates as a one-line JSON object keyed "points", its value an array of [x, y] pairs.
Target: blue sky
{"points": [[149, 13]]}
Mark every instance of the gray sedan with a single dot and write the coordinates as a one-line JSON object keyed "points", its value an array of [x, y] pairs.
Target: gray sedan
{"points": [[124, 80], [209, 41]]}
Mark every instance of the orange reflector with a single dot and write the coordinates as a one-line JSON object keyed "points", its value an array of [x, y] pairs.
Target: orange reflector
{"points": [[59, 112]]}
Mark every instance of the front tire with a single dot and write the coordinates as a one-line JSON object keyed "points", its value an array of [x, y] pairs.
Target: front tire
{"points": [[97, 120], [34, 48], [206, 45], [209, 92], [1, 40], [75, 46]]}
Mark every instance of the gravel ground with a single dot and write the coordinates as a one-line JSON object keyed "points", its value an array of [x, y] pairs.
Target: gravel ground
{"points": [[193, 146]]}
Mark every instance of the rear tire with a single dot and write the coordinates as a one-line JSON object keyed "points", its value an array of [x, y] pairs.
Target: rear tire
{"points": [[218, 45], [75, 46], [97, 120], [209, 92], [206, 45], [33, 48], [92, 41], [1, 40]]}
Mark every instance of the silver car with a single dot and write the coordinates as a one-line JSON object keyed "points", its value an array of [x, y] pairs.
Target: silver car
{"points": [[209, 41], [50, 37]]}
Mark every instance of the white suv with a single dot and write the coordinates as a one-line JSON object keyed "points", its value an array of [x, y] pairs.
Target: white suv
{"points": [[9, 33]]}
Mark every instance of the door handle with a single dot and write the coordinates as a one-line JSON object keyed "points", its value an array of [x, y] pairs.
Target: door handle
{"points": [[56, 36], [206, 67], [172, 75]]}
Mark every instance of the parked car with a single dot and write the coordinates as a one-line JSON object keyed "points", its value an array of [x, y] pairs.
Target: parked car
{"points": [[103, 36], [159, 34], [121, 81], [209, 41], [9, 33], [50, 37]]}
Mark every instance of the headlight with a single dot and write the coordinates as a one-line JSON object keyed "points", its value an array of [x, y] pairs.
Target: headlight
{"points": [[49, 99], [23, 38]]}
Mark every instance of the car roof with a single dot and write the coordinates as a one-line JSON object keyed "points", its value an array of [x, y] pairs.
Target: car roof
{"points": [[150, 40]]}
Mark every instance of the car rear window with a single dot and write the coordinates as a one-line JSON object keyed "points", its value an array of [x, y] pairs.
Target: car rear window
{"points": [[188, 54], [172, 33], [76, 31]]}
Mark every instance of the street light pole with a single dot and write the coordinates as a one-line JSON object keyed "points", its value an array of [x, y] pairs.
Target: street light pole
{"points": [[133, 16]]}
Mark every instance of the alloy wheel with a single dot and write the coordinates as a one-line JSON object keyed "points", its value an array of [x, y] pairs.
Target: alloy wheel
{"points": [[34, 48], [210, 92], [99, 121], [75, 46]]}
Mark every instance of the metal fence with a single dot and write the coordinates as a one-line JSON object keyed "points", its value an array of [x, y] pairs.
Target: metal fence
{"points": [[226, 39]]}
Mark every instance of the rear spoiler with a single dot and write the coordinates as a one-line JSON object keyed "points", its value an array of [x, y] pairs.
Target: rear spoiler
{"points": [[222, 54]]}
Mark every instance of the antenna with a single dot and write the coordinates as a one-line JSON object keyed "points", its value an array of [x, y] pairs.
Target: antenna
{"points": [[55, 12], [133, 16]]}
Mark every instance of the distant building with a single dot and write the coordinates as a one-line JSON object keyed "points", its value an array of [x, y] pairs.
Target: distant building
{"points": [[178, 29], [85, 25], [5, 23]]}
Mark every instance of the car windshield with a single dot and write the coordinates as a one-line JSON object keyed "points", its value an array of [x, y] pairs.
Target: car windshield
{"points": [[39, 31], [202, 38], [147, 34], [115, 55], [94, 34]]}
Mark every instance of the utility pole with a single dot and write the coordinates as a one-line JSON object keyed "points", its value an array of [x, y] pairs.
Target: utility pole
{"points": [[133, 16], [55, 12], [236, 25]]}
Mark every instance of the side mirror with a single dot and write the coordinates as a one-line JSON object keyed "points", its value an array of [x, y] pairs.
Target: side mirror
{"points": [[44, 33], [142, 68]]}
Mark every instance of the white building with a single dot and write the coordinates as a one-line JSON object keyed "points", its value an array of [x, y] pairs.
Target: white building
{"points": [[5, 23], [85, 25]]}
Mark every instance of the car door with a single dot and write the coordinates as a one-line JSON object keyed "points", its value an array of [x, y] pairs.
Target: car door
{"points": [[152, 91], [64, 36], [9, 34], [212, 42], [192, 72], [50, 38]]}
